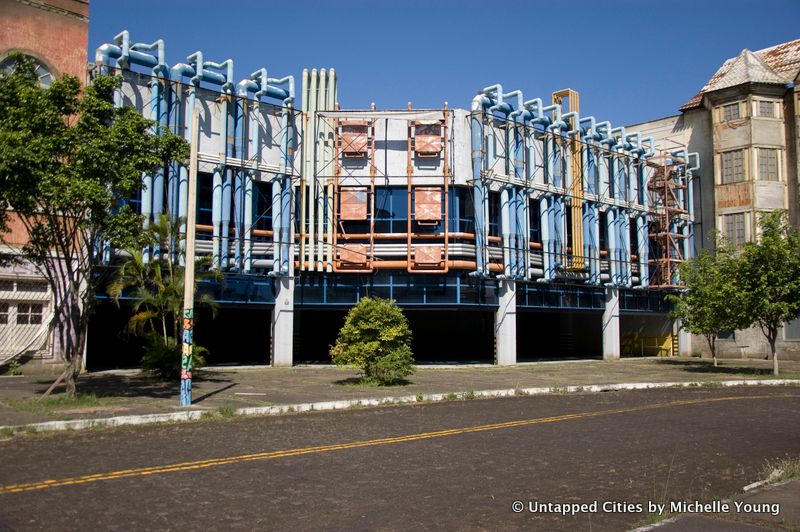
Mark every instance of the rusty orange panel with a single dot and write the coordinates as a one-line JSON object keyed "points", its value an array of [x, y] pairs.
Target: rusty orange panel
{"points": [[428, 139], [355, 140], [353, 253], [427, 255], [353, 203], [427, 204]]}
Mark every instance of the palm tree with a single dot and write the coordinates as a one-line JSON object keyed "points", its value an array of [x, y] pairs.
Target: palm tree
{"points": [[156, 286]]}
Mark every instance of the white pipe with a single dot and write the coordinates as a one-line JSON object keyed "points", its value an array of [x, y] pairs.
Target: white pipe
{"points": [[330, 104]]}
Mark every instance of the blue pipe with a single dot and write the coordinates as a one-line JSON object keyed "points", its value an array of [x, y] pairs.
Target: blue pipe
{"points": [[479, 191], [611, 231], [545, 216], [521, 241], [644, 251], [243, 194]]}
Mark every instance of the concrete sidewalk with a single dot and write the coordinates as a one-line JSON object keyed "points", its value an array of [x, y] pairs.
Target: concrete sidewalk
{"points": [[275, 390]]}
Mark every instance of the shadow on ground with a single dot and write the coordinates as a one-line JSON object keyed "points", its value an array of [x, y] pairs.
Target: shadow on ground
{"points": [[724, 368], [138, 385]]}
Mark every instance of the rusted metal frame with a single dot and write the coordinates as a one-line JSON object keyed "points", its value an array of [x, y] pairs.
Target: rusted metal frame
{"points": [[444, 264], [369, 259]]}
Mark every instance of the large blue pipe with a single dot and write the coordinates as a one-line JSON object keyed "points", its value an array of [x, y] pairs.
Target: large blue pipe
{"points": [[285, 183], [478, 187]]}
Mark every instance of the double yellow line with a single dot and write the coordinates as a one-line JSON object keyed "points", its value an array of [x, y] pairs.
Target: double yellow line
{"points": [[215, 462]]}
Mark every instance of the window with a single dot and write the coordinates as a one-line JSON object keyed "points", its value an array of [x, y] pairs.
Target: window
{"points": [[3, 313], [391, 209], [730, 111], [791, 330], [768, 164], [732, 166], [39, 287], [205, 198], [262, 205], [8, 65], [29, 313], [494, 214], [734, 228], [766, 109]]}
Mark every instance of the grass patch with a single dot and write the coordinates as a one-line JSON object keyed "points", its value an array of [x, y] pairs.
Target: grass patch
{"points": [[782, 469], [227, 411], [653, 518], [55, 403], [6, 432]]}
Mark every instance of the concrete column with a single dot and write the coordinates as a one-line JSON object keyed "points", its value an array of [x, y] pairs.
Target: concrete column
{"points": [[611, 346], [684, 340], [505, 324], [283, 322]]}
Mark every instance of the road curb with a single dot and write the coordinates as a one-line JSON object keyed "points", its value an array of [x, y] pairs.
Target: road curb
{"points": [[191, 415]]}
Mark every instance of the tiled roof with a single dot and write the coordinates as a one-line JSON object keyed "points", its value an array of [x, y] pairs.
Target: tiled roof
{"points": [[778, 64]]}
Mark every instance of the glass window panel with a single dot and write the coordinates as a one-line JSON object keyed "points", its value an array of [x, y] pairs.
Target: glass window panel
{"points": [[730, 111]]}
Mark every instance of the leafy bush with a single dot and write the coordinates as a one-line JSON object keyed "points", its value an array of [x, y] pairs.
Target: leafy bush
{"points": [[376, 339], [163, 360]]}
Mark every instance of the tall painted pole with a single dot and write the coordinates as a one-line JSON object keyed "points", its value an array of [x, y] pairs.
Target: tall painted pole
{"points": [[188, 282]]}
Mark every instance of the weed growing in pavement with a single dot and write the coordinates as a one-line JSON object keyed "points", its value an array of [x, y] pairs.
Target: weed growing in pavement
{"points": [[451, 396], [561, 390], [468, 396], [519, 392], [30, 429], [227, 411], [782, 469], [290, 410], [6, 432], [711, 384], [14, 367], [420, 398], [652, 518]]}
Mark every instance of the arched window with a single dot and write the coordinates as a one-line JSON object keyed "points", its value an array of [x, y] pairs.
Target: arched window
{"points": [[8, 64]]}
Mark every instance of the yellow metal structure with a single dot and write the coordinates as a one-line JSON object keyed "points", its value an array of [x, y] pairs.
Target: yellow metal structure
{"points": [[575, 193]]}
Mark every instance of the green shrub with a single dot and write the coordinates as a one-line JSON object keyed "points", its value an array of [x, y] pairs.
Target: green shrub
{"points": [[163, 360], [376, 339]]}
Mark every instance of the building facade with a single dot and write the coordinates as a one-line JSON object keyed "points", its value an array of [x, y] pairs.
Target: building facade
{"points": [[744, 123], [54, 33], [514, 230]]}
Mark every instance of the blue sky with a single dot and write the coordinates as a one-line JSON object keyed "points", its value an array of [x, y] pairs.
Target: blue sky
{"points": [[631, 62]]}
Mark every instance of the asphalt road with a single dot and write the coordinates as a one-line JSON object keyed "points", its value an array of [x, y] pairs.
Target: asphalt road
{"points": [[448, 466]]}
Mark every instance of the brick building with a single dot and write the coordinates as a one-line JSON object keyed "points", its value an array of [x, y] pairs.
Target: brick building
{"points": [[55, 34]]}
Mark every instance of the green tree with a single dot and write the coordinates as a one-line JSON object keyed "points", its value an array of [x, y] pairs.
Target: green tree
{"points": [[68, 161], [713, 301], [376, 339], [769, 274], [155, 287]]}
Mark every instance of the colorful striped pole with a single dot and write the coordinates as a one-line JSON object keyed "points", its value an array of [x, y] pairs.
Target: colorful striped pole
{"points": [[188, 283]]}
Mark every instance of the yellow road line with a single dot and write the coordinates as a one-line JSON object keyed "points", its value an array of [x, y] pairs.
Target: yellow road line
{"points": [[215, 462]]}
